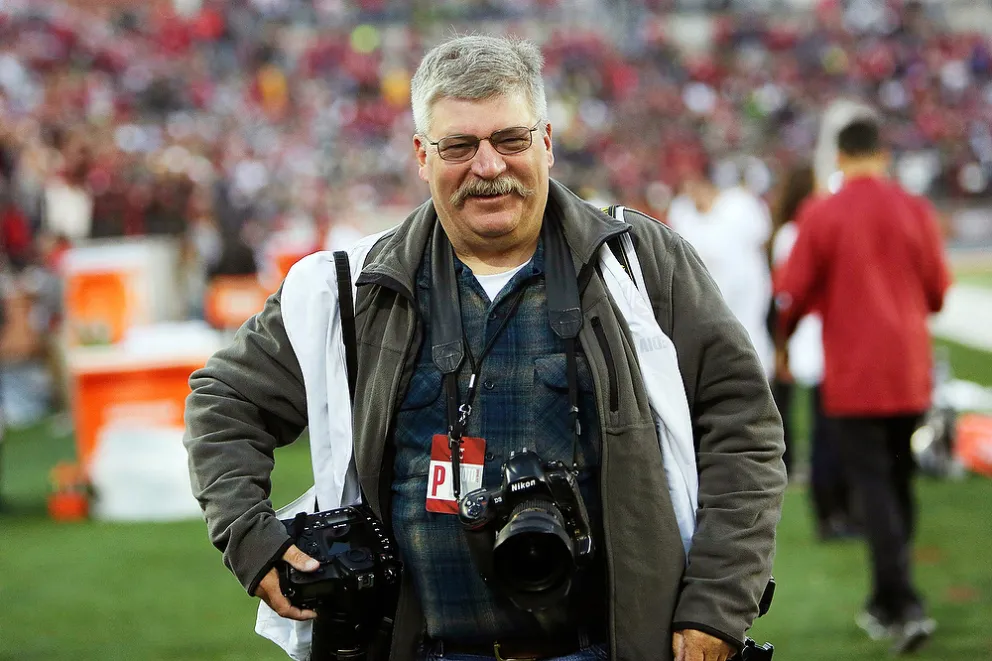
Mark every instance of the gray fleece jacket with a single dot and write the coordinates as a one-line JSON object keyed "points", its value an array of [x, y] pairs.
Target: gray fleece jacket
{"points": [[249, 399]]}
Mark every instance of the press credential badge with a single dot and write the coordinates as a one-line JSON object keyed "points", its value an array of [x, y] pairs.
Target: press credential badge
{"points": [[440, 485]]}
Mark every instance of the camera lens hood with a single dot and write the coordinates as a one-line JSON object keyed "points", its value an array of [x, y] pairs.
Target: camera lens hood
{"points": [[533, 559]]}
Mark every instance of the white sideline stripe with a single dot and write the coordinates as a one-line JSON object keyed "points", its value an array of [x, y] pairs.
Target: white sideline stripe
{"points": [[966, 317]]}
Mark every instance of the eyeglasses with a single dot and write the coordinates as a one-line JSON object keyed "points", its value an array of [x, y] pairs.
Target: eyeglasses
{"points": [[461, 148]]}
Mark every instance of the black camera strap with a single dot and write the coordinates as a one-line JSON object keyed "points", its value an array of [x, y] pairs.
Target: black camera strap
{"points": [[450, 345], [565, 316], [346, 305], [349, 336]]}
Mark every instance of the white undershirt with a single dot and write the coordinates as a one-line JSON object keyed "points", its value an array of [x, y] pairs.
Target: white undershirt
{"points": [[493, 284]]}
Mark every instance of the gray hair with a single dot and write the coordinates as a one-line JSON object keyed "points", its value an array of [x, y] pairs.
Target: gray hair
{"points": [[476, 68]]}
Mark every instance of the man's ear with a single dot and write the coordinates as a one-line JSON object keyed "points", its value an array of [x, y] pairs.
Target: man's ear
{"points": [[420, 153], [546, 136]]}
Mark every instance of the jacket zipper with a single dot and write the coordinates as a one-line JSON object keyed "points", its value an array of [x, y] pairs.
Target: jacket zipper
{"points": [[604, 492], [597, 328]]}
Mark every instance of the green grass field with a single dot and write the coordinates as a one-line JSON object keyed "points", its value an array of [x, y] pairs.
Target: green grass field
{"points": [[157, 592], [977, 273]]}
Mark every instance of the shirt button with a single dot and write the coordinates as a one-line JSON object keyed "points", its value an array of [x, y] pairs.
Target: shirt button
{"points": [[493, 315], [490, 456], [488, 385]]}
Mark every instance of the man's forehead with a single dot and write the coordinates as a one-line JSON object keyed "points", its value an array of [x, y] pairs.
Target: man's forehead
{"points": [[480, 116]]}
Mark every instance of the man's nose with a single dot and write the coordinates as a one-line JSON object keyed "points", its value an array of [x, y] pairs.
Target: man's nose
{"points": [[488, 163]]}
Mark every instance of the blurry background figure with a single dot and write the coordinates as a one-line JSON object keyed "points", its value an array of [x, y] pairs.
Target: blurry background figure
{"points": [[729, 228], [236, 257], [870, 258], [16, 245], [68, 201], [801, 364], [836, 514], [341, 235]]}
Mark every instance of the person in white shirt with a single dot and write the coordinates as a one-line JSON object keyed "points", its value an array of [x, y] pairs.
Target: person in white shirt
{"points": [[730, 229]]}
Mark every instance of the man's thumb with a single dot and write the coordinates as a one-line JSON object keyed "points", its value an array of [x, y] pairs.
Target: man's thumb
{"points": [[300, 560]]}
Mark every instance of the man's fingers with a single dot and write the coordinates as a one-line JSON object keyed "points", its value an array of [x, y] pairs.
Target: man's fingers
{"points": [[285, 609], [268, 590], [678, 643], [299, 559], [280, 604]]}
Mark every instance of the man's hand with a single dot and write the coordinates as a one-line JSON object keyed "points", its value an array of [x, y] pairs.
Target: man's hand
{"points": [[692, 645], [268, 590]]}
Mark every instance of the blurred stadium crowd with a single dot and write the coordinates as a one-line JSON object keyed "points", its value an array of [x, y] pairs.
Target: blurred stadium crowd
{"points": [[245, 116]]}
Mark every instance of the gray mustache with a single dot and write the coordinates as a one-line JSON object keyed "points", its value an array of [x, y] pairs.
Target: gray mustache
{"points": [[501, 186]]}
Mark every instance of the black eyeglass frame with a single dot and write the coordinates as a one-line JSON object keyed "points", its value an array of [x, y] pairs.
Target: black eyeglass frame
{"points": [[478, 141]]}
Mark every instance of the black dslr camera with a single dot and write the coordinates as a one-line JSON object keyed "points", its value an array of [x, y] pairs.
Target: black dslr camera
{"points": [[529, 536], [357, 584]]}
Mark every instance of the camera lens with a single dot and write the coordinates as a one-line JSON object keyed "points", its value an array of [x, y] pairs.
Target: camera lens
{"points": [[533, 552]]}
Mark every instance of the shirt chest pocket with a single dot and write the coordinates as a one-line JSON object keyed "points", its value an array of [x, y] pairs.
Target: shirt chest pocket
{"points": [[424, 389], [550, 405], [551, 372]]}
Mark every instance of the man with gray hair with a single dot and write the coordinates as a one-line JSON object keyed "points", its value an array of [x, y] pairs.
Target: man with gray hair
{"points": [[493, 325]]}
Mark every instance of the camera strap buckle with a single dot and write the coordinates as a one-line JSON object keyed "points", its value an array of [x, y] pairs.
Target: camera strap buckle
{"points": [[466, 411]]}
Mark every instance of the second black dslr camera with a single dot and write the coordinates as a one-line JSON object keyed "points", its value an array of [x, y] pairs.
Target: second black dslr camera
{"points": [[530, 535], [357, 583]]}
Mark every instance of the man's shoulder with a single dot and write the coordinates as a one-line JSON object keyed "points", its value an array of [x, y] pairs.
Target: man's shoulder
{"points": [[659, 247], [649, 227]]}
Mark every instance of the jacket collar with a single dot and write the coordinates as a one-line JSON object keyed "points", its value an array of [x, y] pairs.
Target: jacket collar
{"points": [[585, 227]]}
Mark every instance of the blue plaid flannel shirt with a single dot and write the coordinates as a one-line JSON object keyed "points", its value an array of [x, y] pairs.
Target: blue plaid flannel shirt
{"points": [[522, 401]]}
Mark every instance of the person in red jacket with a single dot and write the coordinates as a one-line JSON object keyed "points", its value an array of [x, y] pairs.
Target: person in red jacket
{"points": [[871, 259]]}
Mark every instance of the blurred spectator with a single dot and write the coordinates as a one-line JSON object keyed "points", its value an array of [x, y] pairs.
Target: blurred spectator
{"points": [[236, 258], [871, 259], [122, 112], [801, 362], [729, 228], [16, 249], [796, 187]]}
